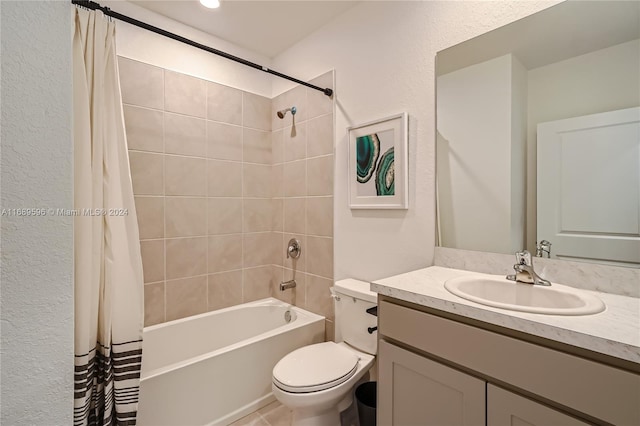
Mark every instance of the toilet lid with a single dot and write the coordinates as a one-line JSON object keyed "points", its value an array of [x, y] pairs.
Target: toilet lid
{"points": [[315, 367]]}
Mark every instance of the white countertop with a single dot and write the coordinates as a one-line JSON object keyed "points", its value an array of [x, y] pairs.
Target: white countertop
{"points": [[614, 332]]}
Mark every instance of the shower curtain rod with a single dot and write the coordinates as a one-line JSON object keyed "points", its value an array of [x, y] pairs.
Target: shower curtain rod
{"points": [[107, 11]]}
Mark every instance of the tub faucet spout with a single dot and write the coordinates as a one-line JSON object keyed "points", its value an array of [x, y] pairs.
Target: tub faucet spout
{"points": [[287, 285]]}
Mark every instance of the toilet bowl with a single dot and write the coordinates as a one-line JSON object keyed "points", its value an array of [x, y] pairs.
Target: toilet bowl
{"points": [[316, 381]]}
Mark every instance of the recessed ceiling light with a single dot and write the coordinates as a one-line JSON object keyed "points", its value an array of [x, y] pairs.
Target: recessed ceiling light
{"points": [[211, 4]]}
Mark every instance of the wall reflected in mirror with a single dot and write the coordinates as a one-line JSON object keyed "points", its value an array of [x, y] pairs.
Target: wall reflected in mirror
{"points": [[538, 136]]}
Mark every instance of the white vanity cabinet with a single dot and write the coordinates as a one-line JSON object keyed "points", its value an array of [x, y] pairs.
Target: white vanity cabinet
{"points": [[440, 370]]}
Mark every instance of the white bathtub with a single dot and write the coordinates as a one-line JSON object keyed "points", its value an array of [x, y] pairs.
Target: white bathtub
{"points": [[215, 368]]}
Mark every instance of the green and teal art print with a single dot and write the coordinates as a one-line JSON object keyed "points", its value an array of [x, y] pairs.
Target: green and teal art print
{"points": [[367, 154], [371, 164]]}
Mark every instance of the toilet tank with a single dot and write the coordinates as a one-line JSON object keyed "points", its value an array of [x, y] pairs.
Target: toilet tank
{"points": [[352, 299]]}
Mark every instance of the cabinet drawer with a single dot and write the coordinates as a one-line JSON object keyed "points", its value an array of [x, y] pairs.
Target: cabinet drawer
{"points": [[598, 390]]}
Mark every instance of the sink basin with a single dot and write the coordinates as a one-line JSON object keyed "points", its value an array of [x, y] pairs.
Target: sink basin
{"points": [[497, 291]]}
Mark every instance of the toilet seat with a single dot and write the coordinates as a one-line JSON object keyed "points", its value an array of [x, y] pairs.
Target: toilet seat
{"points": [[315, 367]]}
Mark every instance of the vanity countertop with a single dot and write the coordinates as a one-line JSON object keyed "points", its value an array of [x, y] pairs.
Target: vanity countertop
{"points": [[614, 332]]}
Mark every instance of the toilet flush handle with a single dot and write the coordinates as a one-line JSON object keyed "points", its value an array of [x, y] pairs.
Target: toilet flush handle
{"points": [[334, 294]]}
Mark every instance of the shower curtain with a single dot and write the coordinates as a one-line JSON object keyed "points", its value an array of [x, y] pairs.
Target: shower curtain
{"points": [[108, 267]]}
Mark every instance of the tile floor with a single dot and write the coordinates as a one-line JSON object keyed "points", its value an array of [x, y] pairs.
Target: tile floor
{"points": [[274, 414]]}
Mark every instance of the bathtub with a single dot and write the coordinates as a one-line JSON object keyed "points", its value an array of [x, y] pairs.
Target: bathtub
{"points": [[214, 368]]}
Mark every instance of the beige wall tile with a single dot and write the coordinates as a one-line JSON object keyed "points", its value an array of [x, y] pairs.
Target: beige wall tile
{"points": [[295, 142], [277, 146], [224, 103], [258, 249], [186, 257], [257, 215], [225, 253], [256, 180], [186, 297], [185, 135], [320, 136], [184, 94], [225, 215], [225, 289], [294, 215], [278, 244], [147, 173], [256, 283], [152, 252], [319, 299], [295, 179], [277, 276], [141, 84], [150, 215], [320, 176], [224, 179], [320, 216], [277, 104], [153, 304], [320, 256], [185, 176], [224, 141], [256, 111], [299, 264], [144, 128], [329, 331], [317, 102], [277, 180], [256, 146], [277, 214], [185, 217], [297, 97]]}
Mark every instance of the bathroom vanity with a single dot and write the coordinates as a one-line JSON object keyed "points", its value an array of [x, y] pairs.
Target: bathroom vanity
{"points": [[447, 360]]}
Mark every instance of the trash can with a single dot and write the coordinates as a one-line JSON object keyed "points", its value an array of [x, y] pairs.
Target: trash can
{"points": [[366, 398]]}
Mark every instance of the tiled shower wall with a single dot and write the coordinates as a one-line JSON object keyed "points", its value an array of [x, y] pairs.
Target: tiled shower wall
{"points": [[202, 163], [303, 157], [200, 158]]}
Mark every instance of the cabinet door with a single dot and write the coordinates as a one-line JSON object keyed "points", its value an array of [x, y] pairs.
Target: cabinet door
{"points": [[507, 408], [416, 391]]}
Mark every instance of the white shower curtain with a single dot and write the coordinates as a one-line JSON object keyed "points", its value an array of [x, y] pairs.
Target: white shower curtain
{"points": [[108, 268]]}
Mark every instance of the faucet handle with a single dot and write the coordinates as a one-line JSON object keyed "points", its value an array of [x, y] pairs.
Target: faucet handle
{"points": [[524, 258], [294, 248]]}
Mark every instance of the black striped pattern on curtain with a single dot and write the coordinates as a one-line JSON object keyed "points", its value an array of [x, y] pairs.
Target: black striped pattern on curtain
{"points": [[107, 385]]}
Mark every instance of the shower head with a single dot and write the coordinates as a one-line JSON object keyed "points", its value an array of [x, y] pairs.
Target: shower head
{"points": [[283, 112]]}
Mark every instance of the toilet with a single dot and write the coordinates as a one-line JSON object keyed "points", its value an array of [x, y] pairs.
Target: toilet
{"points": [[317, 381]]}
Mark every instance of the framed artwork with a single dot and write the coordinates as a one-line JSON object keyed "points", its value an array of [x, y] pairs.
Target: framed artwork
{"points": [[378, 164]]}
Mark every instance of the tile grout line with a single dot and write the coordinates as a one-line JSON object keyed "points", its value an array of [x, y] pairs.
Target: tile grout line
{"points": [[206, 176], [242, 184], [164, 198]]}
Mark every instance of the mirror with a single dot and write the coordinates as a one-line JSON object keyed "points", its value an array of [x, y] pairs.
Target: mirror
{"points": [[538, 136]]}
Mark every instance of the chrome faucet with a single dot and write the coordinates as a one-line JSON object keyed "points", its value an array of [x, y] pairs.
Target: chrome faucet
{"points": [[524, 270], [543, 247], [287, 284]]}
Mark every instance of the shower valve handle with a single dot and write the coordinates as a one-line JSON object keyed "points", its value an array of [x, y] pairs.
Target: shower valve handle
{"points": [[294, 249]]}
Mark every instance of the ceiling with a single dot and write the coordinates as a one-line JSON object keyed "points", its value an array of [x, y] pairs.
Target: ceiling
{"points": [[266, 27], [563, 31]]}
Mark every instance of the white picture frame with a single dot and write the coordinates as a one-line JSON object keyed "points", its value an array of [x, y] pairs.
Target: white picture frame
{"points": [[378, 164]]}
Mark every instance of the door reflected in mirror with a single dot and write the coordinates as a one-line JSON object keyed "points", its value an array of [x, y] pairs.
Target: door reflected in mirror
{"points": [[538, 136]]}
